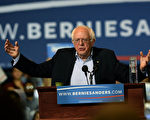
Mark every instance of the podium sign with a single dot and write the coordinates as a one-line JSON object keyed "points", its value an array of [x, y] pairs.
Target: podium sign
{"points": [[90, 94]]}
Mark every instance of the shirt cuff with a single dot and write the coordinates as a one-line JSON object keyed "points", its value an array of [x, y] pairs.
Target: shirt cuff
{"points": [[16, 60]]}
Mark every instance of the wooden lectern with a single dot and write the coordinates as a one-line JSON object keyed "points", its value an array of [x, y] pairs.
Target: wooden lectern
{"points": [[50, 110]]}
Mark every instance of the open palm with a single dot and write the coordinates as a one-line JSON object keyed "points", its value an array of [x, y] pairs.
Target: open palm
{"points": [[144, 60], [12, 50]]}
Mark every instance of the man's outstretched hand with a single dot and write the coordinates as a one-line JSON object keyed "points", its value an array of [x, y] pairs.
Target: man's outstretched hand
{"points": [[12, 50], [144, 60]]}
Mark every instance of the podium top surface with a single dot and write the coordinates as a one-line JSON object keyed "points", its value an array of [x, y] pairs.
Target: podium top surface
{"points": [[126, 85]]}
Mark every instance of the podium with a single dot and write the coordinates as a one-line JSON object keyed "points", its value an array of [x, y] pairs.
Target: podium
{"points": [[50, 110]]}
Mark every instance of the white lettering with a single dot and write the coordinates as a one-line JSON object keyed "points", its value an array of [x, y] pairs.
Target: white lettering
{"points": [[50, 31], [33, 30], [126, 26], [64, 94], [8, 30], [65, 29], [89, 24], [116, 91], [142, 28], [107, 29], [110, 28], [98, 29]]}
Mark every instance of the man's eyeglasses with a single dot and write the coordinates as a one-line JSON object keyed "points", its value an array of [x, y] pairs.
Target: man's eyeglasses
{"points": [[83, 40]]}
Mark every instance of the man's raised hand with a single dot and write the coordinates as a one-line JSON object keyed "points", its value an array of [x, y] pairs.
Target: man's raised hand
{"points": [[144, 60], [12, 50]]}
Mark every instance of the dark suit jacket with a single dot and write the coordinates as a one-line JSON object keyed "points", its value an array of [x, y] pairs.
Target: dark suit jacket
{"points": [[60, 67]]}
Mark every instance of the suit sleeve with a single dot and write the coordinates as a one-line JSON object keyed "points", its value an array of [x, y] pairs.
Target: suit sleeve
{"points": [[35, 70], [43, 70]]}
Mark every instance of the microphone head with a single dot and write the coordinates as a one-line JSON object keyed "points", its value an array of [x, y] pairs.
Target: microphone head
{"points": [[85, 68]]}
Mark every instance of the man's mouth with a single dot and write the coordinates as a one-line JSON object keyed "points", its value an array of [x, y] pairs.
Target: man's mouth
{"points": [[81, 49]]}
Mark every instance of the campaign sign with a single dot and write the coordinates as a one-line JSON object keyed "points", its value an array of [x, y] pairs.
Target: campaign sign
{"points": [[90, 94]]}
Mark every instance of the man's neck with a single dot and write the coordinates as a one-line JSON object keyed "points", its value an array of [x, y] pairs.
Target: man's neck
{"points": [[85, 57]]}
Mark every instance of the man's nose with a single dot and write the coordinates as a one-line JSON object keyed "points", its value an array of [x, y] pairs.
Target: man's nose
{"points": [[81, 42]]}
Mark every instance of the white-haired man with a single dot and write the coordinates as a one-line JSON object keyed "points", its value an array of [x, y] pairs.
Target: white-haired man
{"points": [[67, 64]]}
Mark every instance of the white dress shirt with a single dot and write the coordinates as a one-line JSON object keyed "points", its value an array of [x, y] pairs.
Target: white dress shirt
{"points": [[78, 76], [16, 60]]}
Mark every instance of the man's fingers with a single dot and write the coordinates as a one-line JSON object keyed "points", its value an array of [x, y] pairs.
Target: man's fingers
{"points": [[16, 44], [9, 52], [148, 54], [141, 53], [9, 48], [7, 40], [8, 43]]}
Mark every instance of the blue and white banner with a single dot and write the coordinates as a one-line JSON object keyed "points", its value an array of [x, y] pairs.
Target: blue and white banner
{"points": [[120, 25], [90, 94]]}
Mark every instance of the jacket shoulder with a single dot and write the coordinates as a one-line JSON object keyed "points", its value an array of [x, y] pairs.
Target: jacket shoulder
{"points": [[102, 50], [66, 50]]}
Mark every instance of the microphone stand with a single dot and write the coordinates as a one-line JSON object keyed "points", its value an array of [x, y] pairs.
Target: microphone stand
{"points": [[91, 78], [85, 70], [92, 74], [87, 79]]}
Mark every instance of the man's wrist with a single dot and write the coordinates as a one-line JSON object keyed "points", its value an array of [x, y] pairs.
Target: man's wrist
{"points": [[16, 59]]}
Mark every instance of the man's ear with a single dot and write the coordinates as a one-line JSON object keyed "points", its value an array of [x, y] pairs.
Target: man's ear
{"points": [[93, 41], [72, 42]]}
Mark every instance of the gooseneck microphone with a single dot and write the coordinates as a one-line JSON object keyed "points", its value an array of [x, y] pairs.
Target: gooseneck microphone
{"points": [[92, 73], [85, 70]]}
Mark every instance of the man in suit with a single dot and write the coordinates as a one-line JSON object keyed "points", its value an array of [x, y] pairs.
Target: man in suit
{"points": [[67, 64]]}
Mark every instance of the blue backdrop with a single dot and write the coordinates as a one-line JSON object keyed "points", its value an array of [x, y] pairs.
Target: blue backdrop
{"points": [[123, 27]]}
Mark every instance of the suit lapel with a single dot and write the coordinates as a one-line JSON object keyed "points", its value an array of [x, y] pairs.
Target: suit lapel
{"points": [[97, 63], [71, 63]]}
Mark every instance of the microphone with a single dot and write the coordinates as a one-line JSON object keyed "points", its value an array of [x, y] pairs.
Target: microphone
{"points": [[85, 70]]}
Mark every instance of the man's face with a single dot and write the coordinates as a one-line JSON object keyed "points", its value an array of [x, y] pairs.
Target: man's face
{"points": [[82, 43]]}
